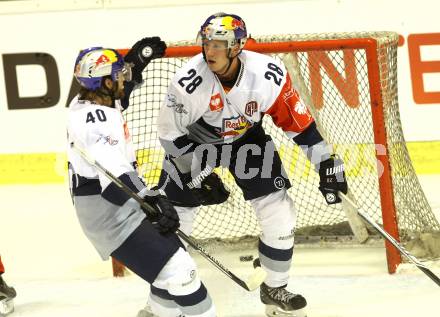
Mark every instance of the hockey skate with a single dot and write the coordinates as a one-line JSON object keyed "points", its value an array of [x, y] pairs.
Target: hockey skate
{"points": [[7, 295], [279, 301]]}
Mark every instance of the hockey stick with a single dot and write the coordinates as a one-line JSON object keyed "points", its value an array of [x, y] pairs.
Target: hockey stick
{"points": [[254, 281], [394, 242]]}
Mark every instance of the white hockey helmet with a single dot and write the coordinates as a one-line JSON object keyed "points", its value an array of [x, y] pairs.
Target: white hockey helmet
{"points": [[223, 27], [95, 63]]}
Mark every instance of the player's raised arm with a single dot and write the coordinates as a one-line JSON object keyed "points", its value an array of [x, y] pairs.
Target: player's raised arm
{"points": [[138, 58]]}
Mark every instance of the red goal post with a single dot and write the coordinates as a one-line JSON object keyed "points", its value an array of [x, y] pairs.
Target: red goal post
{"points": [[349, 81]]}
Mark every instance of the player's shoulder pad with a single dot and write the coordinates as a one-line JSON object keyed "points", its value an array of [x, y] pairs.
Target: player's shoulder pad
{"points": [[259, 63], [267, 74]]}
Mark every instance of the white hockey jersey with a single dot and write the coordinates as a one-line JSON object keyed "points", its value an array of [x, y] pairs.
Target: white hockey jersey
{"points": [[106, 214], [198, 106], [102, 132]]}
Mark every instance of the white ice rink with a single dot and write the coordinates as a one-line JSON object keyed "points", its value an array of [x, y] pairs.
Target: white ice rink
{"points": [[56, 272]]}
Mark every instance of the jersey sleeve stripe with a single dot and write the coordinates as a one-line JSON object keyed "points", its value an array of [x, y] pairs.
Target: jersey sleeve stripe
{"points": [[115, 195], [310, 136]]}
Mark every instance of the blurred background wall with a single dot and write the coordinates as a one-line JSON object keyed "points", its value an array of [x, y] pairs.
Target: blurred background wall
{"points": [[39, 41]]}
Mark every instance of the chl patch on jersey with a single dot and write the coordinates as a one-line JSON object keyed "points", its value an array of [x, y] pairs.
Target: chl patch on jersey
{"points": [[216, 103], [250, 108], [235, 126], [172, 103]]}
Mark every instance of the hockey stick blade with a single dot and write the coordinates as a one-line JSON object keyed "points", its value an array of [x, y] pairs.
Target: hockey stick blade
{"points": [[6, 306], [256, 279], [394, 242], [355, 221]]}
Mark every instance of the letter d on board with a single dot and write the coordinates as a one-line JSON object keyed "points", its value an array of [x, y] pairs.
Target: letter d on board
{"points": [[52, 96]]}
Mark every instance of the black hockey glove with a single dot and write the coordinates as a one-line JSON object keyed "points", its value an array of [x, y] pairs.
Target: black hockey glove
{"points": [[166, 219], [211, 191], [332, 179], [142, 52]]}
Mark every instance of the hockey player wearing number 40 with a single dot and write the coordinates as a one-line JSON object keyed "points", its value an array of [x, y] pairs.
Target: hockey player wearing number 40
{"points": [[212, 116], [115, 224]]}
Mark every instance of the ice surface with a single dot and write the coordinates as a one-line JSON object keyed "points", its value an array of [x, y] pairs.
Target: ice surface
{"points": [[56, 271]]}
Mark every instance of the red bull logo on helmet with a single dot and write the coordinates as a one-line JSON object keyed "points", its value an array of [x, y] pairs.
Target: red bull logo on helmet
{"points": [[107, 56], [102, 60], [237, 24], [231, 23]]}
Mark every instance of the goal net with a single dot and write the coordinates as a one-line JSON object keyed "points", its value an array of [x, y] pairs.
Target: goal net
{"points": [[349, 81]]}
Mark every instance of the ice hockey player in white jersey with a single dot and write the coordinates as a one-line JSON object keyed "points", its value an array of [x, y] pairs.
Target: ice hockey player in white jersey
{"points": [[212, 116], [7, 294], [113, 222]]}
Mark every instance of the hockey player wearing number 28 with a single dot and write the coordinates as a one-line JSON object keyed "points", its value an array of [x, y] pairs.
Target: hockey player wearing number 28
{"points": [[215, 104], [115, 223]]}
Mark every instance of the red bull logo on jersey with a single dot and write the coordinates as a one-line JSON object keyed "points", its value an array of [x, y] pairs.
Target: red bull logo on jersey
{"points": [[216, 103], [235, 126]]}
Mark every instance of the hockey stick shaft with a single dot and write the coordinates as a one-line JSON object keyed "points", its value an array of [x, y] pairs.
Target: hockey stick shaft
{"points": [[394, 242], [153, 211]]}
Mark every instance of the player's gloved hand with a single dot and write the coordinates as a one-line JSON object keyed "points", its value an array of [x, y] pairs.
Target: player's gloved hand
{"points": [[332, 179], [166, 219], [211, 191], [142, 52]]}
